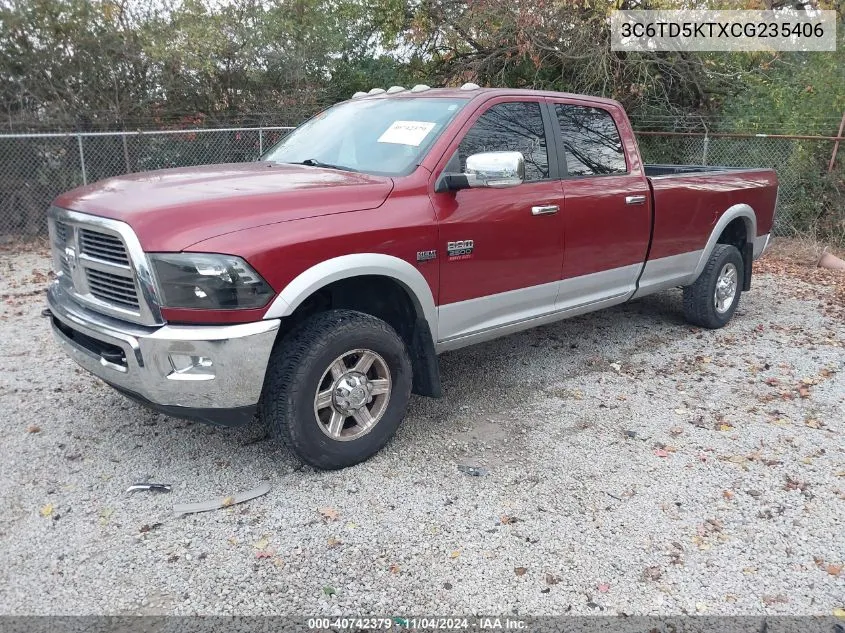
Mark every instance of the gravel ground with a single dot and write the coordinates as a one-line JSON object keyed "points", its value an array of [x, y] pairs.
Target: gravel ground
{"points": [[629, 464]]}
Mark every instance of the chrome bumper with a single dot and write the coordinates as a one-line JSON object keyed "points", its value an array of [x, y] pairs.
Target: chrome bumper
{"points": [[170, 367]]}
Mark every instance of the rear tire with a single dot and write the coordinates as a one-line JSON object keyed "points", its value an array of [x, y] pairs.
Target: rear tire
{"points": [[712, 299], [337, 388]]}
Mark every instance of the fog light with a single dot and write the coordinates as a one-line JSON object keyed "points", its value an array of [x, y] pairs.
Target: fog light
{"points": [[186, 367]]}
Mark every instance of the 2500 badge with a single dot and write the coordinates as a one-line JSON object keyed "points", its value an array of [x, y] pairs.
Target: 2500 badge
{"points": [[460, 249]]}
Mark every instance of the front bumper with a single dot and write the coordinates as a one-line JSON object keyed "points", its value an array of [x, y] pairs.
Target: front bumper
{"points": [[210, 373]]}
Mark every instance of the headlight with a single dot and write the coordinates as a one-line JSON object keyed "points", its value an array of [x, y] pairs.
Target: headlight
{"points": [[210, 282]]}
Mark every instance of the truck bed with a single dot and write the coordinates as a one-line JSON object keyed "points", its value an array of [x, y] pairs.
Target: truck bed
{"points": [[688, 201], [654, 171]]}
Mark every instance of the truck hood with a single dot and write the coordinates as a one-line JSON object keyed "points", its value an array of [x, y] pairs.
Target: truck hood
{"points": [[171, 209]]}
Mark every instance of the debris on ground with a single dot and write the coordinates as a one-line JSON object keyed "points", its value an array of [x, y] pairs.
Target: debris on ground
{"points": [[149, 486], [472, 471], [225, 502]]}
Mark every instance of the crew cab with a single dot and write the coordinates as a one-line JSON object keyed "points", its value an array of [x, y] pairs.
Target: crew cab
{"points": [[316, 287]]}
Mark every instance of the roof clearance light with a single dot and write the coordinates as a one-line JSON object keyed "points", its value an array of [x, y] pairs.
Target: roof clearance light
{"points": [[470, 86], [420, 88], [359, 94], [394, 89], [376, 91]]}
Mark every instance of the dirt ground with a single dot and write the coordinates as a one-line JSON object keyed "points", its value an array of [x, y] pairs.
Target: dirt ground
{"points": [[621, 462]]}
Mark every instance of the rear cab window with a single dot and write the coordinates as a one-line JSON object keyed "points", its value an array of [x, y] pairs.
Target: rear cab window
{"points": [[591, 142]]}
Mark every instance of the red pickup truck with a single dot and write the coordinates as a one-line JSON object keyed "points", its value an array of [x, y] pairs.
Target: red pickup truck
{"points": [[316, 287]]}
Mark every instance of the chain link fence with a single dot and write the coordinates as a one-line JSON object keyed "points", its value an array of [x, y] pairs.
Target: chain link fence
{"points": [[35, 168], [810, 197]]}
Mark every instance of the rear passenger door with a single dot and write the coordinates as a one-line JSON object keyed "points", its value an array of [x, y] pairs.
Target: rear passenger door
{"points": [[607, 218]]}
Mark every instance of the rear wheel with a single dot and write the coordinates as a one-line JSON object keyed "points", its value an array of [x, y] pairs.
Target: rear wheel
{"points": [[337, 388], [711, 301]]}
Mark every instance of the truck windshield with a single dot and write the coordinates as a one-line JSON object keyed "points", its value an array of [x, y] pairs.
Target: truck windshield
{"points": [[376, 136]]}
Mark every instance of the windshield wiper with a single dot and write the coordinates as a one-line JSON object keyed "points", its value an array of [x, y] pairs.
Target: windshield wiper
{"points": [[313, 162]]}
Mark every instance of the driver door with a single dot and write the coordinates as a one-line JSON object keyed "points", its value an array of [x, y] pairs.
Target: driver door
{"points": [[500, 250]]}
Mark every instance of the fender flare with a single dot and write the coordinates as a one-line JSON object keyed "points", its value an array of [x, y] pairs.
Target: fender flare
{"points": [[741, 210], [356, 265]]}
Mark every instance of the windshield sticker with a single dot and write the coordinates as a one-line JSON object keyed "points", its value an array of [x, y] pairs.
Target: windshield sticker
{"points": [[407, 132]]}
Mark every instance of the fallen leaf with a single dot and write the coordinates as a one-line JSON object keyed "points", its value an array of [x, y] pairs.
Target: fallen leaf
{"points": [[148, 527], [551, 579], [33, 428], [520, 571], [724, 426], [454, 554], [333, 542], [794, 484], [262, 543], [603, 588], [265, 553], [813, 424], [834, 570], [329, 514], [394, 568], [228, 501], [804, 391], [105, 515], [507, 520], [778, 599], [661, 452], [728, 494], [329, 591], [47, 510], [839, 613], [675, 431], [652, 573]]}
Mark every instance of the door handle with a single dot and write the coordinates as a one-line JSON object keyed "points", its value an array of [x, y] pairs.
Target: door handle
{"points": [[634, 199], [545, 209]]}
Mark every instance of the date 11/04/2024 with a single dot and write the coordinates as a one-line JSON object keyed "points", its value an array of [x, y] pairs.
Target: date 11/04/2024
{"points": [[421, 623]]}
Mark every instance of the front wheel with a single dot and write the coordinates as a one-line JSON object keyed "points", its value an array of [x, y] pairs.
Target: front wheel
{"points": [[712, 299], [337, 388]]}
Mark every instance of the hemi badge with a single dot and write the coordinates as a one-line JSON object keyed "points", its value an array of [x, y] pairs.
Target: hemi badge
{"points": [[424, 256]]}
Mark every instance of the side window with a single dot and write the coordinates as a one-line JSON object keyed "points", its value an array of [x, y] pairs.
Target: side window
{"points": [[510, 127], [591, 141]]}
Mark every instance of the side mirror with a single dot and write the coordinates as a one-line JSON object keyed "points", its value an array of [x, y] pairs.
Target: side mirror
{"points": [[487, 169]]}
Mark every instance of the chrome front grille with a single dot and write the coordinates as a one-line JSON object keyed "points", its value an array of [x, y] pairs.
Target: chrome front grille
{"points": [[100, 264], [103, 246], [112, 288], [61, 232]]}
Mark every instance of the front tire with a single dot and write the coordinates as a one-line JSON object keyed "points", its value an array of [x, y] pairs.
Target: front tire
{"points": [[337, 388], [712, 299]]}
